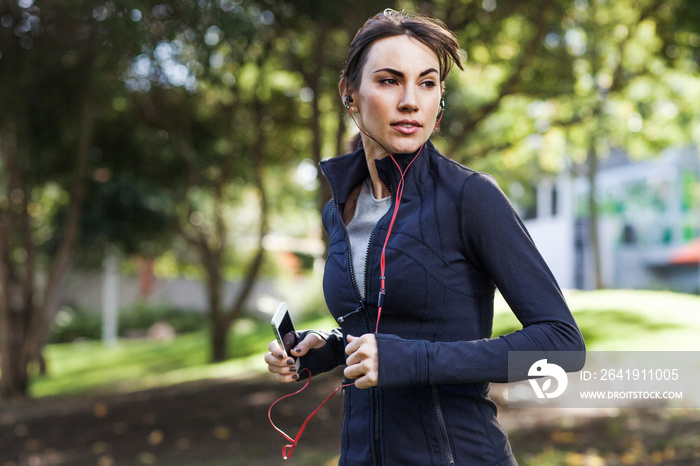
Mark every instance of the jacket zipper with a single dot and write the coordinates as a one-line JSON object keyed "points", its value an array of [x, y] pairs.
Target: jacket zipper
{"points": [[374, 394], [447, 449], [375, 390]]}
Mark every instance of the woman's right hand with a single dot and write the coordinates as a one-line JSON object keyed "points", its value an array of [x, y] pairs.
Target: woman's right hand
{"points": [[280, 363]]}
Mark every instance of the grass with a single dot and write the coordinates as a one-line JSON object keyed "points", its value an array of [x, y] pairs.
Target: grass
{"points": [[627, 320], [609, 320], [91, 367]]}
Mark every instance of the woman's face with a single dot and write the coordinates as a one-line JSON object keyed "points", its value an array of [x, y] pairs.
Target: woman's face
{"points": [[399, 95]]}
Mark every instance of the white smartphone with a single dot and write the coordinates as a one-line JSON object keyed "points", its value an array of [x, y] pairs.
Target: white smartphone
{"points": [[283, 328]]}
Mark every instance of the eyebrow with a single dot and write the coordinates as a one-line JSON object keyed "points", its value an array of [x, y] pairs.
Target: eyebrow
{"points": [[401, 75]]}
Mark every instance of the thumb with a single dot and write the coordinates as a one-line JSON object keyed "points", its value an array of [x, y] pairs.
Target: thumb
{"points": [[309, 342], [351, 338]]}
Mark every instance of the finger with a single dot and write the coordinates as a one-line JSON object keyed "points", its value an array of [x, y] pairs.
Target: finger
{"points": [[362, 382], [273, 360], [276, 349], [311, 341], [287, 378], [351, 373], [353, 359], [366, 381], [353, 344], [355, 371], [286, 367]]}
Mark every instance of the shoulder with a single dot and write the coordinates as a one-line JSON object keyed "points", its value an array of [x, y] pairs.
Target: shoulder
{"points": [[482, 186], [462, 180]]}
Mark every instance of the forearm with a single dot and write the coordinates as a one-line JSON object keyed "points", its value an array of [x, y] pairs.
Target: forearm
{"points": [[418, 362]]}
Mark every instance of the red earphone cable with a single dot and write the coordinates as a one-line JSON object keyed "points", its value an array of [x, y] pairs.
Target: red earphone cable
{"points": [[288, 449]]}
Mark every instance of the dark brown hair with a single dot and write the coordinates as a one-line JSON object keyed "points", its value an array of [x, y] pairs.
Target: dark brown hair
{"points": [[430, 31]]}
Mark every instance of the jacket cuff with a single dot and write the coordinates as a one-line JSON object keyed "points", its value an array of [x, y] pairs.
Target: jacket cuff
{"points": [[325, 358], [401, 362]]}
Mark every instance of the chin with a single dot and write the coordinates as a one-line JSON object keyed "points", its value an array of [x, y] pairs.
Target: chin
{"points": [[405, 145], [407, 148]]}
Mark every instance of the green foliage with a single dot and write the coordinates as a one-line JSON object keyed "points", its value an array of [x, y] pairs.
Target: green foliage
{"points": [[72, 325], [75, 325], [142, 317]]}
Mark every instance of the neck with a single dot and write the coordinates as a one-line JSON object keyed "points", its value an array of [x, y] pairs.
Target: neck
{"points": [[374, 151]]}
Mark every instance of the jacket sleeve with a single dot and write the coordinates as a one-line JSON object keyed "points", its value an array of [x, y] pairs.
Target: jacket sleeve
{"points": [[495, 238], [325, 358]]}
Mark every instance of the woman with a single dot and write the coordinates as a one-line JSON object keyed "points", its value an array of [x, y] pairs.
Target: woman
{"points": [[421, 355]]}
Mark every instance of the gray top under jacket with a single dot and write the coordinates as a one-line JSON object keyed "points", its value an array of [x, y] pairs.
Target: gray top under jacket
{"points": [[367, 213]]}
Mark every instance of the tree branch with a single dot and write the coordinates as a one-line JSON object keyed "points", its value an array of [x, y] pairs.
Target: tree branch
{"points": [[507, 88]]}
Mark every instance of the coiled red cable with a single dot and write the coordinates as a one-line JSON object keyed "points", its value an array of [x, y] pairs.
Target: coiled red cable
{"points": [[288, 449]]}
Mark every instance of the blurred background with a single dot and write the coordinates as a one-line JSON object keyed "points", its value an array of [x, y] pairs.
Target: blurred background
{"points": [[159, 195]]}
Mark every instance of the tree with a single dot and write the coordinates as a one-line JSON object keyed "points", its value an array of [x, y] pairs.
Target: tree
{"points": [[222, 135], [550, 80], [61, 63]]}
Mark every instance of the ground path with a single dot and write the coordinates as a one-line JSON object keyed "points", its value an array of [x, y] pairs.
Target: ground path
{"points": [[224, 422]]}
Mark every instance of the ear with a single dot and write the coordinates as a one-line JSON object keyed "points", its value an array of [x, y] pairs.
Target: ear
{"points": [[347, 96], [442, 95], [352, 103]]}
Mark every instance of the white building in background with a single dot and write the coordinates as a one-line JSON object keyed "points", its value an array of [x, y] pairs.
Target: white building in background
{"points": [[647, 210]]}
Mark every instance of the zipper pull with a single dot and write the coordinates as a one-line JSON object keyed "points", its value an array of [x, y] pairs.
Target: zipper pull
{"points": [[341, 319]]}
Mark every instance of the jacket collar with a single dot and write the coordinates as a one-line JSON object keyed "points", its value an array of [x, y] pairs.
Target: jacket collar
{"points": [[347, 171]]}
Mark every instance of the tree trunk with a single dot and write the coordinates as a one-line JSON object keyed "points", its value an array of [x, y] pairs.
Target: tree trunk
{"points": [[217, 325], [253, 270], [219, 333], [14, 380], [25, 326], [592, 162], [16, 292]]}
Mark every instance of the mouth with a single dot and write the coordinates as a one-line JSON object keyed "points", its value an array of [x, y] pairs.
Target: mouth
{"points": [[407, 126]]}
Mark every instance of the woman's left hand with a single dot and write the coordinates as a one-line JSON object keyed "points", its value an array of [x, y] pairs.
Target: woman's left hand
{"points": [[363, 360]]}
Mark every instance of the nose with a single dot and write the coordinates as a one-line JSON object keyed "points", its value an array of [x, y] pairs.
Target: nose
{"points": [[408, 102]]}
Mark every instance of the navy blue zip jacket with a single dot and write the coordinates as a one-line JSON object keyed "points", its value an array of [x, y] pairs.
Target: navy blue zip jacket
{"points": [[456, 239]]}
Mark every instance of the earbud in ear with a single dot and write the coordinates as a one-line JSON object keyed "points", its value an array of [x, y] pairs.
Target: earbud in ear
{"points": [[346, 100]]}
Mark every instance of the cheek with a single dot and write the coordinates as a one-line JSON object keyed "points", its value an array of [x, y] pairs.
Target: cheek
{"points": [[375, 111], [377, 104]]}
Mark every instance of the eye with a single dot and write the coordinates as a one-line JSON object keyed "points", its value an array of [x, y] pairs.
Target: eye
{"points": [[388, 81], [429, 84]]}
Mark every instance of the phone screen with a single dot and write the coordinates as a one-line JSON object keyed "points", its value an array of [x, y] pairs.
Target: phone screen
{"points": [[284, 328], [287, 333]]}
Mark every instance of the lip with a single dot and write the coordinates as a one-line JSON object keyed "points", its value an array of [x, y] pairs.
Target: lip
{"points": [[407, 126]]}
